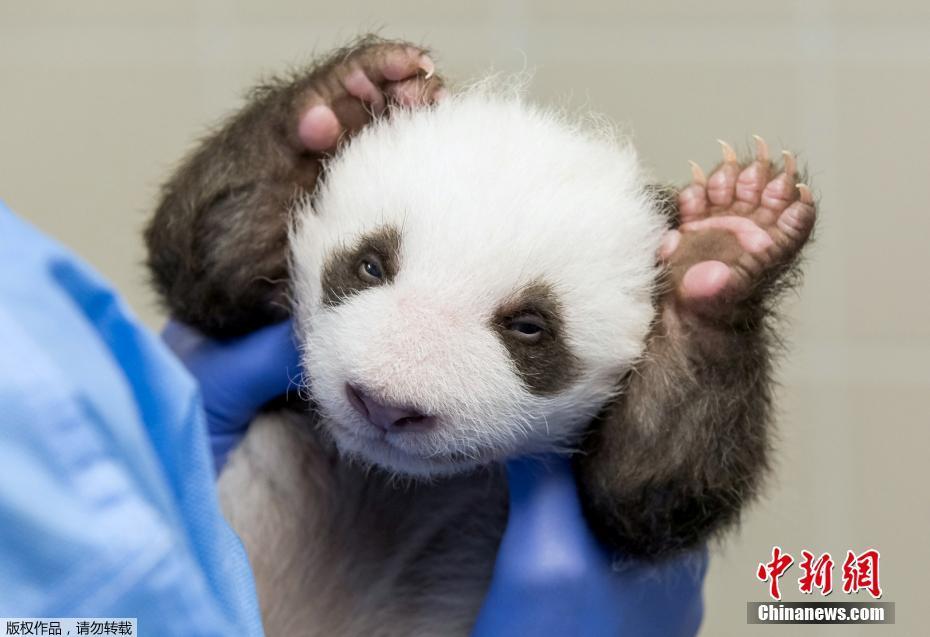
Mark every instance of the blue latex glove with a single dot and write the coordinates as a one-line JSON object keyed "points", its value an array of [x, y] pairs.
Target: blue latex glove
{"points": [[552, 577], [236, 376]]}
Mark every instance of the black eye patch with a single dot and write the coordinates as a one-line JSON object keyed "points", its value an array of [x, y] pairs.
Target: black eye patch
{"points": [[530, 326], [372, 261]]}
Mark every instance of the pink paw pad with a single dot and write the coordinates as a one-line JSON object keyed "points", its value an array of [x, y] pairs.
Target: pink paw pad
{"points": [[751, 237], [706, 279], [319, 128]]}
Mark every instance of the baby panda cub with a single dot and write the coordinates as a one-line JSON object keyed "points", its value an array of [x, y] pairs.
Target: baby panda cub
{"points": [[472, 278]]}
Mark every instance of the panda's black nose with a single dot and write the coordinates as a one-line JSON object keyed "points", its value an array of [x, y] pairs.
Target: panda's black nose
{"points": [[386, 416]]}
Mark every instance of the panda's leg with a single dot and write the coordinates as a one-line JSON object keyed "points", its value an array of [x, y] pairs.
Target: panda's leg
{"points": [[218, 241], [674, 459]]}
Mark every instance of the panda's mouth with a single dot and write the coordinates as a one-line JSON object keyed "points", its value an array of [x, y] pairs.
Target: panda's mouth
{"points": [[392, 451]]}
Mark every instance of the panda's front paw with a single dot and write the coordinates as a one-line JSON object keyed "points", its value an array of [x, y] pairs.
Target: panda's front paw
{"points": [[739, 231], [358, 83]]}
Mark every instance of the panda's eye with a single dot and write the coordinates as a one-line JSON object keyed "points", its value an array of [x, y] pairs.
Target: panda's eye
{"points": [[371, 269], [528, 327]]}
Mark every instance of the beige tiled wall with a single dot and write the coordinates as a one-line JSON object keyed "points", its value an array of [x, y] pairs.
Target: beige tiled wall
{"points": [[98, 99]]}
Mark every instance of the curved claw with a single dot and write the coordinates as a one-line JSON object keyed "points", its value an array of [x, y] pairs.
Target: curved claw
{"points": [[791, 164], [805, 192], [729, 155], [697, 175], [427, 66], [762, 149]]}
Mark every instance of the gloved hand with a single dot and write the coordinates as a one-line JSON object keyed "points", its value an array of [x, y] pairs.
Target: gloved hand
{"points": [[236, 377], [552, 577]]}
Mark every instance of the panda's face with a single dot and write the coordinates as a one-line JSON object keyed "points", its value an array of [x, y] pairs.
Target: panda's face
{"points": [[471, 283]]}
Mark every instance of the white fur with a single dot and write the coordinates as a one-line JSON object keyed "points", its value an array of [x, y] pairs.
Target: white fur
{"points": [[490, 194]]}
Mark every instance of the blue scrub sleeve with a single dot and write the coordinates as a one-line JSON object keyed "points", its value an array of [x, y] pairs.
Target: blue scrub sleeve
{"points": [[108, 506]]}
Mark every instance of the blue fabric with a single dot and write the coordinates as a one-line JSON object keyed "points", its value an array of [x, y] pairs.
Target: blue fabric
{"points": [[107, 501]]}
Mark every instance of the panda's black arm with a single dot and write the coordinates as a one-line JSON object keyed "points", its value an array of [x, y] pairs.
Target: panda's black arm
{"points": [[673, 461], [218, 242]]}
